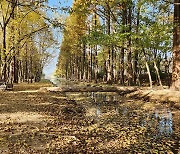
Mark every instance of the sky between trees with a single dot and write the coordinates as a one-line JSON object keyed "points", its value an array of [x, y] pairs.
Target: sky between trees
{"points": [[49, 70]]}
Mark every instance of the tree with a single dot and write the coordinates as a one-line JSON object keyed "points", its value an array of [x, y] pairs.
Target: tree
{"points": [[72, 60], [7, 12], [22, 53], [128, 43], [176, 47]]}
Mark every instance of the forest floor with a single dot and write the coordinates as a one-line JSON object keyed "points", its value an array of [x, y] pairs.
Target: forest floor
{"points": [[160, 95], [33, 121]]}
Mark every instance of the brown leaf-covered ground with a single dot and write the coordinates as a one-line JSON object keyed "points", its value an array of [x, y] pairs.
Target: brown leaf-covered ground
{"points": [[52, 122]]}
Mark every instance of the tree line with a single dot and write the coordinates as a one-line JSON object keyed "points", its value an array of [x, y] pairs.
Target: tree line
{"points": [[121, 41], [24, 37]]}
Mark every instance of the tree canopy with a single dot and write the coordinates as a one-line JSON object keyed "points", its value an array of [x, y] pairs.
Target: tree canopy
{"points": [[25, 34], [118, 42]]}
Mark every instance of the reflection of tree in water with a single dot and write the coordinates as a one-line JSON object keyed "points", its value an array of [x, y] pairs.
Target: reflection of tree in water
{"points": [[164, 118], [98, 111], [128, 124], [104, 97], [98, 97], [158, 123]]}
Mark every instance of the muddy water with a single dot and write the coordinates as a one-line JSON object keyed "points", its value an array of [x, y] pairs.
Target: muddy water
{"points": [[153, 119]]}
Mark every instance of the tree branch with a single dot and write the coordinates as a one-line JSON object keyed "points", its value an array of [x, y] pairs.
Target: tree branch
{"points": [[12, 12]]}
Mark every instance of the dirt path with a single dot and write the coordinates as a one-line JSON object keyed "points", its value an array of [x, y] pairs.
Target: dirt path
{"points": [[51, 122], [118, 89], [164, 96]]}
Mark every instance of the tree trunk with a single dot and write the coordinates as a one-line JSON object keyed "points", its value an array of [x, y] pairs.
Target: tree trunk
{"points": [[26, 65], [31, 69], [4, 53], [112, 64], [95, 65], [156, 68], [67, 70], [95, 56], [176, 47], [148, 70], [129, 56], [109, 77], [91, 64], [105, 71], [157, 72], [84, 62], [122, 67], [149, 74], [15, 70], [135, 76]]}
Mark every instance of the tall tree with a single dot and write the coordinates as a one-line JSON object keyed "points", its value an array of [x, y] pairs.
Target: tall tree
{"points": [[176, 47], [20, 23], [127, 30]]}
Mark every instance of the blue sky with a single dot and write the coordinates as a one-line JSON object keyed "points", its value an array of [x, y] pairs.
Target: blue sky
{"points": [[51, 67]]}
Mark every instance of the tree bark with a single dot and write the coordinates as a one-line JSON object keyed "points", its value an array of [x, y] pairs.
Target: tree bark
{"points": [[15, 70], [148, 70], [95, 56], [157, 72], [124, 16], [129, 56], [135, 76], [149, 74], [84, 61], [109, 77], [176, 47], [91, 64], [4, 53]]}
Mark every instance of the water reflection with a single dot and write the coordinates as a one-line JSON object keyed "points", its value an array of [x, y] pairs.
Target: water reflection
{"points": [[127, 113], [158, 123], [165, 124], [98, 111], [104, 97]]}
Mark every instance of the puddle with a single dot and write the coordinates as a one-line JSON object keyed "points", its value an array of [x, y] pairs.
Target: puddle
{"points": [[104, 96], [157, 121], [165, 123]]}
